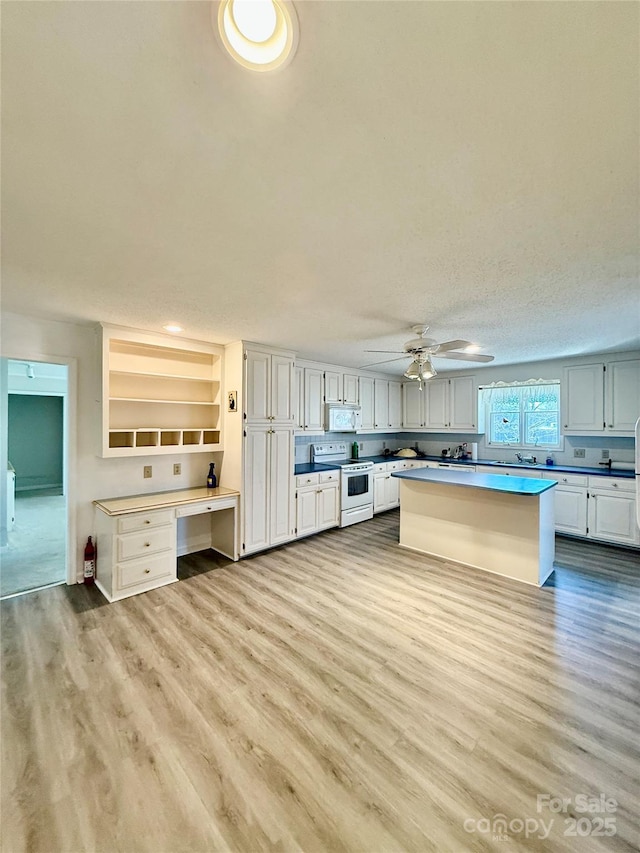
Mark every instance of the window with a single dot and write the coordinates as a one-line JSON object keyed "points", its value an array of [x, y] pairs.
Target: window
{"points": [[523, 415]]}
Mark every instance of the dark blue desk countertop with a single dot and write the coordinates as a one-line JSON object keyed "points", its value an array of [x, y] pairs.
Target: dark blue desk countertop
{"points": [[490, 482]]}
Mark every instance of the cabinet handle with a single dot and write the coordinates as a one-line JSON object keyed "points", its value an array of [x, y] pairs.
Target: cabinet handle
{"points": [[615, 485], [147, 544], [566, 426], [147, 521], [610, 426], [208, 507], [147, 571]]}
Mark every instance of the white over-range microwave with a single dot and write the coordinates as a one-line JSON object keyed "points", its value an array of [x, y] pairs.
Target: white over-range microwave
{"points": [[343, 418]]}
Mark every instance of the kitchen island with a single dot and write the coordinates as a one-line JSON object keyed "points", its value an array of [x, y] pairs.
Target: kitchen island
{"points": [[501, 524]]}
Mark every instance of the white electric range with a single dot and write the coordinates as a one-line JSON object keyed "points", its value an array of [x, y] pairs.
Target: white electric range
{"points": [[356, 481]]}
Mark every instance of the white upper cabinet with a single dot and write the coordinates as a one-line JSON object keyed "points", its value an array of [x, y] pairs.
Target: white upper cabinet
{"points": [[387, 397], [412, 405], [269, 387], [366, 402], [313, 409], [622, 395], [463, 404], [298, 398], [583, 398], [332, 386], [444, 405], [309, 385], [340, 387], [395, 405], [437, 404], [603, 397], [350, 389], [380, 404]]}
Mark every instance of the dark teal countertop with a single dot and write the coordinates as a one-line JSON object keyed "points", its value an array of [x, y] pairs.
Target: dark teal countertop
{"points": [[490, 482], [600, 471], [314, 467]]}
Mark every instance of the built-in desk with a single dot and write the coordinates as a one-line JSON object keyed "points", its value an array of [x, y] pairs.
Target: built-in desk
{"points": [[140, 537], [489, 521]]}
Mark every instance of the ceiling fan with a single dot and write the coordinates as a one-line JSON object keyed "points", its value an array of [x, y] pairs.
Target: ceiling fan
{"points": [[422, 349]]}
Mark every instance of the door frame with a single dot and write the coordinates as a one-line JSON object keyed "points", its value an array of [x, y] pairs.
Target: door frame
{"points": [[69, 449]]}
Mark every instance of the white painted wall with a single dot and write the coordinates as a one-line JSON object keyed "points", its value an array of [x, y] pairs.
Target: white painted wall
{"points": [[92, 477], [30, 338], [621, 448]]}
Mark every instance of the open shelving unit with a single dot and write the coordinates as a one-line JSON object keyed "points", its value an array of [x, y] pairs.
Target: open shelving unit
{"points": [[160, 395]]}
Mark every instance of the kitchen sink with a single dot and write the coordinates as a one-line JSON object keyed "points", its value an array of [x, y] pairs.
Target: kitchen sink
{"points": [[516, 464]]}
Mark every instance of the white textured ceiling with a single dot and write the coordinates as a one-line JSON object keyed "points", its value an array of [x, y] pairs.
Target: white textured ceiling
{"points": [[470, 165]]}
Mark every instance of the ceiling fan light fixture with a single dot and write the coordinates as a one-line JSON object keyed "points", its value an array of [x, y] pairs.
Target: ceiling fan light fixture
{"points": [[413, 371], [421, 368], [427, 370]]}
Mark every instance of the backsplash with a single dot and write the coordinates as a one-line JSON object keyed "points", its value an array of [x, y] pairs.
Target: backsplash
{"points": [[371, 444]]}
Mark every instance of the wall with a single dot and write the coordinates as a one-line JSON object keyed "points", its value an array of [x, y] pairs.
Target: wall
{"points": [[621, 449], [35, 432], [33, 339], [92, 477]]}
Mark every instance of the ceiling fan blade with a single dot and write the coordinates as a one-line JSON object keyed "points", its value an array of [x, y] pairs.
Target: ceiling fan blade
{"points": [[390, 351], [464, 356], [448, 345], [386, 361]]}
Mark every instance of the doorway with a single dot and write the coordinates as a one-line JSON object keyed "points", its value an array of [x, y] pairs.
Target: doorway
{"points": [[34, 553]]}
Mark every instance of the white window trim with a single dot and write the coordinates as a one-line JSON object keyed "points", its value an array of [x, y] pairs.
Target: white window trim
{"points": [[559, 447]]}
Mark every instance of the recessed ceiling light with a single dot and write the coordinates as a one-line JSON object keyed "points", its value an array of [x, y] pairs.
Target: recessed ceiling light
{"points": [[172, 327], [261, 35]]}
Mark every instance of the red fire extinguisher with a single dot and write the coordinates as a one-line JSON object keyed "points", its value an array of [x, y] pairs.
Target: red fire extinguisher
{"points": [[89, 562]]}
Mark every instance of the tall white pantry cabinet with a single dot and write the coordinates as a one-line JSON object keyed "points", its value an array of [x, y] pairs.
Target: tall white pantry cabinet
{"points": [[261, 434]]}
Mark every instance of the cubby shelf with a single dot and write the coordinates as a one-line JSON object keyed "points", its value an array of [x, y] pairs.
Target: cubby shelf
{"points": [[159, 396]]}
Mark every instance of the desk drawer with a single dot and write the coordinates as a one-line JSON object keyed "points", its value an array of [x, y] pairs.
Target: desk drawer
{"points": [[205, 506], [148, 542], [144, 571], [144, 520]]}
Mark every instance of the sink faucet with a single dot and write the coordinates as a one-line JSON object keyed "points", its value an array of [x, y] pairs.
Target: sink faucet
{"points": [[519, 457]]}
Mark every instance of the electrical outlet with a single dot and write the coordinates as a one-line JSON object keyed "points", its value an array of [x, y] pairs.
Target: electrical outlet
{"points": [[579, 452], [605, 454], [361, 446], [147, 471], [384, 445], [177, 469]]}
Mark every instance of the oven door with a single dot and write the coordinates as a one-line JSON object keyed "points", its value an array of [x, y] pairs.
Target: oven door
{"points": [[357, 489]]}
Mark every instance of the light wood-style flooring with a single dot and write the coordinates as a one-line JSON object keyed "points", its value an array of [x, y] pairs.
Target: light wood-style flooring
{"points": [[335, 694]]}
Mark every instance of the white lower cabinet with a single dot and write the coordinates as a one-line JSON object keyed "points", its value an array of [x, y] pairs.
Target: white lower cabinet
{"points": [[570, 502], [317, 502], [268, 495], [612, 510], [386, 489], [136, 552]]}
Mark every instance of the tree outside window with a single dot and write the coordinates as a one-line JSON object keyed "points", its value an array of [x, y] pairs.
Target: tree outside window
{"points": [[524, 415]]}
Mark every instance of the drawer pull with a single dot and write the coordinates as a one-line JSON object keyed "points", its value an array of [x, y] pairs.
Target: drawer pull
{"points": [[208, 507], [147, 521], [615, 485], [147, 571], [147, 544]]}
